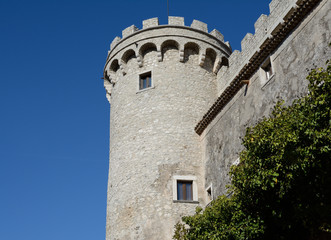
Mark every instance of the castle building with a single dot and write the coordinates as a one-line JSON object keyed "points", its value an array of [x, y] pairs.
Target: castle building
{"points": [[181, 100]]}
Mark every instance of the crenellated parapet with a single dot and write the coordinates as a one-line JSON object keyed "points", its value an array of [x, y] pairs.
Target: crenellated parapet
{"points": [[270, 31], [172, 21], [267, 27], [135, 43]]}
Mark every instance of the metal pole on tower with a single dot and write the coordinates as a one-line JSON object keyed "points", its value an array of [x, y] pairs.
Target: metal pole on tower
{"points": [[168, 7]]}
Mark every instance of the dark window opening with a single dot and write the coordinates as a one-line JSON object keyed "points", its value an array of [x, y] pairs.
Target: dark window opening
{"points": [[184, 190], [114, 66], [268, 70], [209, 193], [145, 81]]}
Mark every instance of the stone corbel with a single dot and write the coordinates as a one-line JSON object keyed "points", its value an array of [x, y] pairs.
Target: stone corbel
{"points": [[181, 55], [139, 60], [202, 59], [159, 56], [122, 68], [217, 65]]}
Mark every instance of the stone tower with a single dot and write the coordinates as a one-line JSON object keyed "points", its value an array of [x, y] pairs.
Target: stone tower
{"points": [[159, 80]]}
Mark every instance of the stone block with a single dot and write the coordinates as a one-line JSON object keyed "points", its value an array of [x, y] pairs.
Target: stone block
{"points": [[129, 30], [179, 21], [114, 42], [261, 27], [260, 23], [273, 4], [279, 6], [233, 57], [152, 22], [199, 25], [246, 43], [227, 43], [217, 34]]}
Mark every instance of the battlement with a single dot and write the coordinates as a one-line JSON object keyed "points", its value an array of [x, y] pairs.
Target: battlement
{"points": [[172, 21], [266, 28], [136, 43], [270, 31]]}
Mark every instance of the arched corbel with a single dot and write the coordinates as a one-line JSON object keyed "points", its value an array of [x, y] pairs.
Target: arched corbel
{"points": [[122, 67], [217, 65], [139, 60]]}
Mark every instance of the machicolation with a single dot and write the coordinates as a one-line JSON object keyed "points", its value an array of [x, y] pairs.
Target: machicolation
{"points": [[195, 39]]}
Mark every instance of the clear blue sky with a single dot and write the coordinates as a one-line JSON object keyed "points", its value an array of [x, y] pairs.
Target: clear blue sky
{"points": [[54, 116]]}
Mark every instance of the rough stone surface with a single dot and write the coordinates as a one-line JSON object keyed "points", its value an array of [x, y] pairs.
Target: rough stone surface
{"points": [[199, 25], [179, 21], [217, 34], [129, 30], [305, 48], [150, 22], [152, 136], [114, 42]]}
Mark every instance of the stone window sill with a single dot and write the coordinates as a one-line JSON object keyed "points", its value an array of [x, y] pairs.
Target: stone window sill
{"points": [[145, 89], [185, 201]]}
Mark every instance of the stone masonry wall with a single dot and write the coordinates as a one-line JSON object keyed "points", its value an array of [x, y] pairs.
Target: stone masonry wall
{"points": [[305, 47], [152, 136]]}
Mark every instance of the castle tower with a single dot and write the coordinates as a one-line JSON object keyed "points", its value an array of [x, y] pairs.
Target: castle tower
{"points": [[160, 81]]}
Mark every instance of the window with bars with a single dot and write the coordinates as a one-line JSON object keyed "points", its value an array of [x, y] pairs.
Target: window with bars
{"points": [[184, 190], [145, 80]]}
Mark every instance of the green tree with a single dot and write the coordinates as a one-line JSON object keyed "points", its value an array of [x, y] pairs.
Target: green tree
{"points": [[282, 186]]}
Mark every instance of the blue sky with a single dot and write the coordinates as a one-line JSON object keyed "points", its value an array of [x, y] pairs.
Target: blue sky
{"points": [[54, 116]]}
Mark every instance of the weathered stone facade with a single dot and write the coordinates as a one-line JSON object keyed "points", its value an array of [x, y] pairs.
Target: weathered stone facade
{"points": [[304, 47], [187, 125], [152, 138]]}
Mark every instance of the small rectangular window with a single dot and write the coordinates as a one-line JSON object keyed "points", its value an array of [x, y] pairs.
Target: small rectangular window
{"points": [[184, 190], [145, 80], [267, 69]]}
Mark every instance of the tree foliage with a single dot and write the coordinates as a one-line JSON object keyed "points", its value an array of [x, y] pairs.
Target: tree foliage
{"points": [[282, 186]]}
